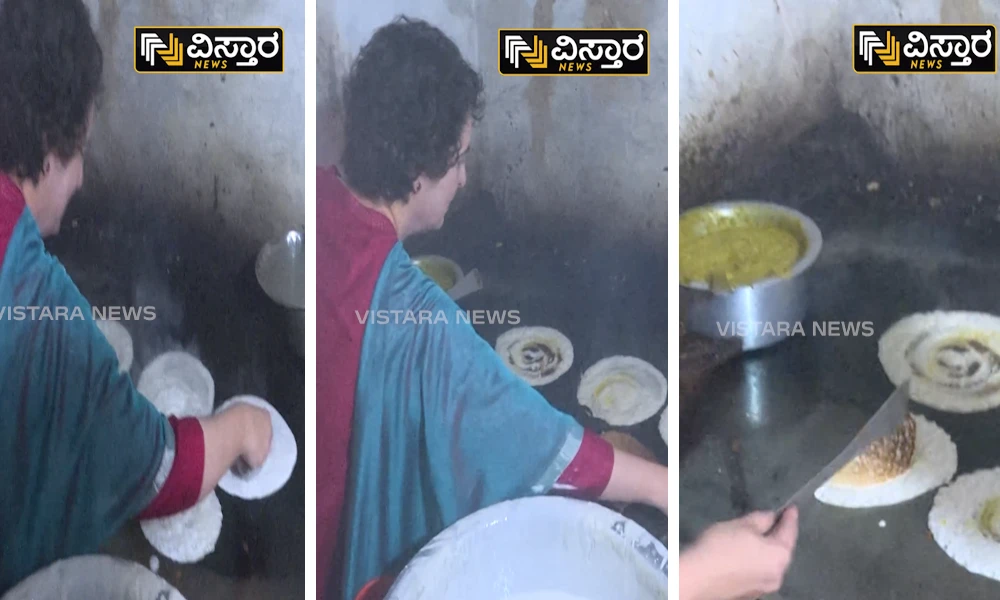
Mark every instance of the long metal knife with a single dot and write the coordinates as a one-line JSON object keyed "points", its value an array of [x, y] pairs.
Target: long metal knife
{"points": [[885, 421]]}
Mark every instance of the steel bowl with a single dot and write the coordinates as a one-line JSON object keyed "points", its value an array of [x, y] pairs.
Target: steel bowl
{"points": [[765, 312], [281, 273]]}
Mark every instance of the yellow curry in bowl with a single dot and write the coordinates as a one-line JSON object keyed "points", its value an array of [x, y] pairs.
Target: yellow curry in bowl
{"points": [[732, 247]]}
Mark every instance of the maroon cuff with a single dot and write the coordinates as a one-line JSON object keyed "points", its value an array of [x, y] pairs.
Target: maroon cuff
{"points": [[376, 589], [589, 472], [183, 486]]}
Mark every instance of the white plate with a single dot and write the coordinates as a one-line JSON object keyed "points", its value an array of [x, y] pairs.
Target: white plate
{"points": [[95, 576]]}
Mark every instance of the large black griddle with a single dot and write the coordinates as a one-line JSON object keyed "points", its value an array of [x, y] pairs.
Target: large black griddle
{"points": [[762, 424], [199, 275]]}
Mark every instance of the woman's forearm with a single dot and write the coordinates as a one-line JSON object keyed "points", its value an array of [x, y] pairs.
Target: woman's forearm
{"points": [[225, 435], [691, 576], [206, 448], [634, 479]]}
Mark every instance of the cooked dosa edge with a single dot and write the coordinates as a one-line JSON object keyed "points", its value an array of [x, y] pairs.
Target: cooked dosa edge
{"points": [[885, 459], [964, 522]]}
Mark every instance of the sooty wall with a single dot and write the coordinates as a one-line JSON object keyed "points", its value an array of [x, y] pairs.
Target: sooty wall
{"points": [[579, 148], [228, 149], [757, 73]]}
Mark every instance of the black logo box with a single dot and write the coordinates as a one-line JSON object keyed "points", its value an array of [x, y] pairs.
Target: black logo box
{"points": [[550, 37], [932, 49], [220, 60]]}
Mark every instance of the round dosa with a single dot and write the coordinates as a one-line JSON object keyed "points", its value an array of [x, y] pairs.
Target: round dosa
{"points": [[663, 426], [951, 358], [188, 536], [538, 355], [178, 384], [623, 390], [954, 522]]}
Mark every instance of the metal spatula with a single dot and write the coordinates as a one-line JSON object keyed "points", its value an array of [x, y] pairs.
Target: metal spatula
{"points": [[471, 283], [884, 422]]}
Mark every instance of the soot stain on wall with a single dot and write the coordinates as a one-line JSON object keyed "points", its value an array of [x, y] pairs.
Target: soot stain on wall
{"points": [[606, 14], [538, 94], [838, 171]]}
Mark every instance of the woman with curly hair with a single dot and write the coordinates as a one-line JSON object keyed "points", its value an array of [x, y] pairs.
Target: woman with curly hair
{"points": [[420, 425], [81, 451]]}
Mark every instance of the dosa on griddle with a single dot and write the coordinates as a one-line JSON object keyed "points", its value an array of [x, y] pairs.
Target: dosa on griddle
{"points": [[538, 355], [188, 536], [178, 384], [951, 358], [895, 469], [958, 525], [623, 390]]}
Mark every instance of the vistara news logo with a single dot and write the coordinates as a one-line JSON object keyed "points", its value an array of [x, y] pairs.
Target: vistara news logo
{"points": [[925, 49], [209, 50], [573, 51]]}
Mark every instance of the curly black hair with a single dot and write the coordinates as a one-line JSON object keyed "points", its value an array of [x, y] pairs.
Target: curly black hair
{"points": [[407, 99], [51, 65]]}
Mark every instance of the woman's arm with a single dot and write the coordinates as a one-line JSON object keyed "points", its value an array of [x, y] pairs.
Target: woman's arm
{"points": [[635, 479], [203, 450], [507, 432], [168, 464]]}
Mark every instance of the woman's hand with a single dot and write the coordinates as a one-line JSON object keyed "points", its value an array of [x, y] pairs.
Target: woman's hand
{"points": [[256, 435], [737, 559], [241, 432]]}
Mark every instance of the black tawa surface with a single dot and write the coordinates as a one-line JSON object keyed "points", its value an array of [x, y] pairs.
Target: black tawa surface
{"points": [[207, 302], [761, 425]]}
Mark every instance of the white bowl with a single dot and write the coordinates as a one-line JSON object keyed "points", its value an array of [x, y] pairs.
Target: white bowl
{"points": [[539, 548], [95, 576]]}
